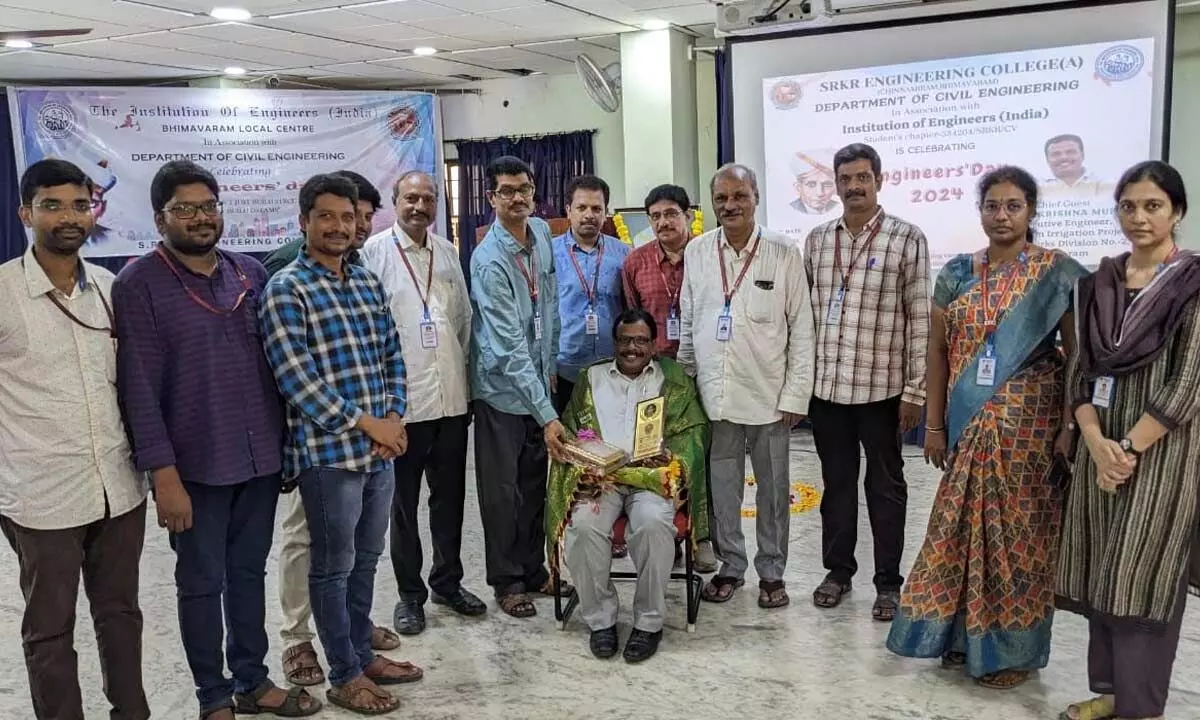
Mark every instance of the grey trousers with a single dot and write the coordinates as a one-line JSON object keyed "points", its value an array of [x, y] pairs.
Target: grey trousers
{"points": [[1134, 665], [727, 476], [650, 535]]}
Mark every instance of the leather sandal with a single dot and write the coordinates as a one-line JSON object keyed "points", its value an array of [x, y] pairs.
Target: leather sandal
{"points": [[830, 593], [292, 707], [301, 666]]}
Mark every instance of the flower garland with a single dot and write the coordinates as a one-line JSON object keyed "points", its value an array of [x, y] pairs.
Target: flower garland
{"points": [[802, 499], [622, 229], [698, 223]]}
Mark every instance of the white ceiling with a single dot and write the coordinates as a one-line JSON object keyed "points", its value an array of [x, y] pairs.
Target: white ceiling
{"points": [[348, 43]]}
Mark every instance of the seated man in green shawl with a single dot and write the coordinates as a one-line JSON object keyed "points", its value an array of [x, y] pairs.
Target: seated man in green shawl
{"points": [[582, 505]]}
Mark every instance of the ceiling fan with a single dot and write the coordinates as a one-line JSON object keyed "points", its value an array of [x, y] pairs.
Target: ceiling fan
{"points": [[14, 37]]}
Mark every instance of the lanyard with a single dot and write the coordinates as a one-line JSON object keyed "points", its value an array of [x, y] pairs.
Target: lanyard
{"points": [[672, 292], [424, 296], [837, 251], [199, 300], [742, 275], [989, 318], [112, 323], [590, 292], [530, 274]]}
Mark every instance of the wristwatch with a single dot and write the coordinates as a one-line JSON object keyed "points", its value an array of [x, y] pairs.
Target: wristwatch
{"points": [[1127, 447]]}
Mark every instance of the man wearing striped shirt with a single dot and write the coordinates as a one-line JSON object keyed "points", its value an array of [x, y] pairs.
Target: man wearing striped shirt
{"points": [[333, 346], [869, 273]]}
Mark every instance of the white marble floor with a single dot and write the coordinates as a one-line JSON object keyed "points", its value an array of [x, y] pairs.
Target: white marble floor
{"points": [[741, 662]]}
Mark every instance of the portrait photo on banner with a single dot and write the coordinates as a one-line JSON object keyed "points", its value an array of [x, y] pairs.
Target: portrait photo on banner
{"points": [[260, 144]]}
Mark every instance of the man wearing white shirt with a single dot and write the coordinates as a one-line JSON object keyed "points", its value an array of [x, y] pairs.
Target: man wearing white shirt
{"points": [[747, 334], [71, 502], [428, 296]]}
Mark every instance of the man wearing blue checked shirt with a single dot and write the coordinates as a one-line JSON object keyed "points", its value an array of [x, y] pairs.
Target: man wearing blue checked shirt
{"points": [[332, 344]]}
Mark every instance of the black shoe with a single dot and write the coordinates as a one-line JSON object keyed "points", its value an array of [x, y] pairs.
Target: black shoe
{"points": [[604, 642], [409, 617], [461, 602], [641, 645]]}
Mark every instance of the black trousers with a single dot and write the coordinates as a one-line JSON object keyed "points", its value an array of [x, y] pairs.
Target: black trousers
{"points": [[510, 472], [562, 395], [437, 450], [838, 431]]}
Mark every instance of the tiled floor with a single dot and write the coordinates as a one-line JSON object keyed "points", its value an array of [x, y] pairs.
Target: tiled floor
{"points": [[742, 662]]}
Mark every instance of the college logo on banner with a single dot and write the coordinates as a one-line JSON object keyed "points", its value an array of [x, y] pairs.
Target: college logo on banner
{"points": [[261, 145], [1121, 62]]}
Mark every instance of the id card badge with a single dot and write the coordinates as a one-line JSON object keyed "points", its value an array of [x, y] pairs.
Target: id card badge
{"points": [[672, 326], [537, 325], [592, 323], [835, 307], [985, 373], [429, 338], [724, 327], [1102, 391]]}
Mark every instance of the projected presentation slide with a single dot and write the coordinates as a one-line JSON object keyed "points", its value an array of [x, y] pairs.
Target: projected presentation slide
{"points": [[1075, 117]]}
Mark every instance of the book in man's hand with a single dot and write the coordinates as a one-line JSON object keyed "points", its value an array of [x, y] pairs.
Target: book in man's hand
{"points": [[595, 454]]}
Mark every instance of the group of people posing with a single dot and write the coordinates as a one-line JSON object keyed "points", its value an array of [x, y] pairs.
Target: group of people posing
{"points": [[349, 366]]}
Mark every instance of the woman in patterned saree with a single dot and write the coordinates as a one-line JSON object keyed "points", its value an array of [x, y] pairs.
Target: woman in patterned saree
{"points": [[981, 594], [1130, 523]]}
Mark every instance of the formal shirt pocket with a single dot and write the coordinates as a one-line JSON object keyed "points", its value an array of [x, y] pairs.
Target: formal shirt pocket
{"points": [[763, 300]]}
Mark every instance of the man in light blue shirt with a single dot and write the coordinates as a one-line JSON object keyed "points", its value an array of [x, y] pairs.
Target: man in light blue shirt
{"points": [[515, 328], [588, 267]]}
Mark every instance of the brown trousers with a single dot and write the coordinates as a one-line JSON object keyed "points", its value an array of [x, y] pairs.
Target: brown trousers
{"points": [[107, 552]]}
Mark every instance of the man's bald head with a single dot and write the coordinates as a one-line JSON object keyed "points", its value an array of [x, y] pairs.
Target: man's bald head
{"points": [[415, 196], [411, 178], [734, 171]]}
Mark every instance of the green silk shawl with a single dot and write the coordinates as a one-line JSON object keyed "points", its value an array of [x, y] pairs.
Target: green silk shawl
{"points": [[685, 435]]}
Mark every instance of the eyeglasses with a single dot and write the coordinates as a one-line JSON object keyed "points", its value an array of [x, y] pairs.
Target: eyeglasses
{"points": [[671, 214], [81, 207], [187, 211], [508, 192], [637, 342], [991, 207]]}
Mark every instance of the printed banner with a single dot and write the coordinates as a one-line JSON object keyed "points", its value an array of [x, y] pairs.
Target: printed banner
{"points": [[1075, 117], [260, 144]]}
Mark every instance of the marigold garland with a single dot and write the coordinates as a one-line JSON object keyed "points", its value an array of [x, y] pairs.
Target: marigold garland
{"points": [[698, 223], [802, 499], [622, 229]]}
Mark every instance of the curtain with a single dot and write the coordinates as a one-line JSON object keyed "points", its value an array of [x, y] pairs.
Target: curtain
{"points": [[555, 159], [12, 232], [724, 104]]}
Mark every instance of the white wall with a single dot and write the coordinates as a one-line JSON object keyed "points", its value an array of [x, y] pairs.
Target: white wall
{"points": [[706, 131], [1185, 117], [537, 104]]}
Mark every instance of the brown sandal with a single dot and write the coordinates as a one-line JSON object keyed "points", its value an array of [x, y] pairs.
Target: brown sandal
{"points": [[351, 697], [830, 593], [720, 589], [301, 666], [547, 588], [887, 603], [384, 640], [1004, 679], [771, 595], [378, 669], [517, 605]]}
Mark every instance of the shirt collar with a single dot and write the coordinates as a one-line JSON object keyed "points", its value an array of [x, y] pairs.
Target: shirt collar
{"points": [[575, 243], [406, 242], [36, 279], [723, 242], [650, 370], [870, 224], [175, 263], [662, 252], [306, 261]]}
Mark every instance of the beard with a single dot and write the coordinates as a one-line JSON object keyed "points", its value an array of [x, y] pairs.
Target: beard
{"points": [[65, 240], [192, 242]]}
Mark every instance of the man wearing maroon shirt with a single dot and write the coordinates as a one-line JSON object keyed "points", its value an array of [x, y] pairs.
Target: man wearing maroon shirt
{"points": [[651, 278], [206, 421]]}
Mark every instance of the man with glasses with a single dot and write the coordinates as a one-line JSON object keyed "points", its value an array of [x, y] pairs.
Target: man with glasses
{"points": [[515, 330], [652, 276], [869, 273], [423, 277], [206, 422], [584, 505], [71, 502]]}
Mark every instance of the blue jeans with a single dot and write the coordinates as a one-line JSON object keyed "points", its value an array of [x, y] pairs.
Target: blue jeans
{"points": [[348, 516], [223, 558]]}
